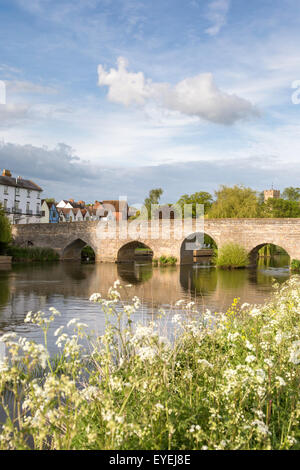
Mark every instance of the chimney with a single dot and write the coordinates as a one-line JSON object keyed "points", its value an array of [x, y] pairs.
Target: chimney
{"points": [[71, 200], [6, 173]]}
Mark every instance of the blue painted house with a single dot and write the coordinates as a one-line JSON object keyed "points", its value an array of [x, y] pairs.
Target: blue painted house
{"points": [[49, 213]]}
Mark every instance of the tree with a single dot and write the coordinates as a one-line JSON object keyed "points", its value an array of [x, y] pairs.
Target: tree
{"points": [[235, 202], [50, 200], [291, 194], [5, 230], [277, 208], [197, 198], [153, 198]]}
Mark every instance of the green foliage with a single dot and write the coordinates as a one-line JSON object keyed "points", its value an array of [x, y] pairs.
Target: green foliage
{"points": [[167, 260], [50, 200], [295, 265], [201, 197], [32, 253], [235, 202], [291, 194], [153, 198], [5, 231], [87, 253], [230, 256], [280, 208], [225, 381]]}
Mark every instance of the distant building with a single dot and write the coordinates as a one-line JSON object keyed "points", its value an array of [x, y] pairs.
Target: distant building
{"points": [[71, 211], [20, 198], [271, 194], [49, 213], [116, 209]]}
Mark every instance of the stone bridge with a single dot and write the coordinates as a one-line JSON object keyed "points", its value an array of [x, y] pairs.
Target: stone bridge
{"points": [[162, 238]]}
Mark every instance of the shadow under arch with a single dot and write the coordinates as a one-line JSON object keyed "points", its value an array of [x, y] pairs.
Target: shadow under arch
{"points": [[197, 248], [198, 281], [134, 251], [73, 250], [135, 273], [274, 250]]}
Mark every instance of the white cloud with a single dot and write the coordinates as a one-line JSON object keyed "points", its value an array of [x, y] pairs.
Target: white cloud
{"points": [[22, 86], [217, 14], [11, 114], [194, 96]]}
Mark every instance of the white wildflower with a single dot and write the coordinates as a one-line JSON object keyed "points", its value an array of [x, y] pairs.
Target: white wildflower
{"points": [[280, 380], [159, 406], [295, 353], [261, 375], [269, 362], [262, 428], [176, 318], [244, 305], [249, 345], [250, 359], [71, 322], [58, 331], [255, 312], [8, 337], [95, 297], [205, 363]]}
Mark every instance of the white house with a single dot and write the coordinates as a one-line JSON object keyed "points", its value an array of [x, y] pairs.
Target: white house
{"points": [[20, 198]]}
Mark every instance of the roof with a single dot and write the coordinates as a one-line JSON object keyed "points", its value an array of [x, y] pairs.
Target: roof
{"points": [[19, 183], [49, 204], [119, 206]]}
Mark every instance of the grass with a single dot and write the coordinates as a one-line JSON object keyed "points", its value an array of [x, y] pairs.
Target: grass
{"points": [[231, 256], [225, 381], [33, 253]]}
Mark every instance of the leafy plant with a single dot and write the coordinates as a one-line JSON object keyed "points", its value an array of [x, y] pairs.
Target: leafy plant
{"points": [[295, 265], [167, 260], [230, 256]]}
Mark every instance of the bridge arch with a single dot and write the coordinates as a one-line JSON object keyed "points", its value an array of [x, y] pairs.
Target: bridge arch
{"points": [[192, 247], [72, 251], [254, 252], [134, 251]]}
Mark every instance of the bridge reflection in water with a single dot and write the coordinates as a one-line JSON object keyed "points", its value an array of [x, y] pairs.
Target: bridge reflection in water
{"points": [[67, 286]]}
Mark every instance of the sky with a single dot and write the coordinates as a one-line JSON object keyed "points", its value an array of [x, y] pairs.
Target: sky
{"points": [[108, 98]]}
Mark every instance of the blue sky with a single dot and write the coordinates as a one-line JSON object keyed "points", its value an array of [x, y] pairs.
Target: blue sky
{"points": [[115, 97]]}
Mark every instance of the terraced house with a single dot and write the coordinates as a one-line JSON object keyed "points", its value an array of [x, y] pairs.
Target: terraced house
{"points": [[20, 198]]}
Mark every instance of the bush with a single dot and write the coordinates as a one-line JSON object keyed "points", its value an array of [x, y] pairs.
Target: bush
{"points": [[226, 381], [231, 256], [34, 253], [167, 260], [295, 265], [5, 231]]}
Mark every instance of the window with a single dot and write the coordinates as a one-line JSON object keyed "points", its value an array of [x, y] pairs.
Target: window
{"points": [[28, 192], [39, 195], [37, 209], [27, 207], [17, 191], [5, 204], [5, 189]]}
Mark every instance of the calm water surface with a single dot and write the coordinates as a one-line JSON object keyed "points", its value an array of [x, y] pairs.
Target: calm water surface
{"points": [[68, 286]]}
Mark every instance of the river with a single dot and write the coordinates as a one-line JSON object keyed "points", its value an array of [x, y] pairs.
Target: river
{"points": [[67, 286]]}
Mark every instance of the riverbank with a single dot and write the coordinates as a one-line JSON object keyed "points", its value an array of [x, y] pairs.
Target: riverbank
{"points": [[227, 381], [31, 253]]}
